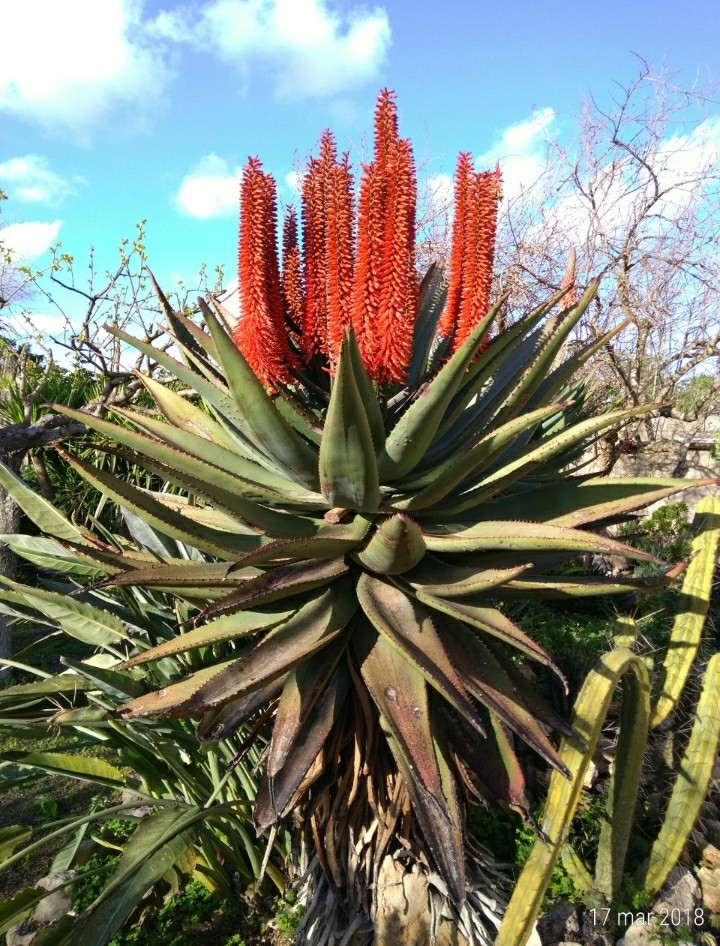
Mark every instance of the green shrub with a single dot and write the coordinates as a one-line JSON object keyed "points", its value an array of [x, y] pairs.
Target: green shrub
{"points": [[666, 533]]}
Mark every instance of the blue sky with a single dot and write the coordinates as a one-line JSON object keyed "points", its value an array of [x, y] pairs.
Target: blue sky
{"points": [[116, 110]]}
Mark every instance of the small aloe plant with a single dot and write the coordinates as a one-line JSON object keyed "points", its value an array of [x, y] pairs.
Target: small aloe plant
{"points": [[377, 467]]}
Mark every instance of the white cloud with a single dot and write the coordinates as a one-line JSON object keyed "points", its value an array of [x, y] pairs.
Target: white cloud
{"points": [[521, 151], [31, 239], [684, 157], [309, 49], [210, 189], [30, 178], [293, 182], [66, 65], [42, 323]]}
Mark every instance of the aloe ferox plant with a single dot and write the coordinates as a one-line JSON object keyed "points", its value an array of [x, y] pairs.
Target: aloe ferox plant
{"points": [[374, 470]]}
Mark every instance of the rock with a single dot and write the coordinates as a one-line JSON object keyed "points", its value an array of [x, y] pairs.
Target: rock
{"points": [[710, 854], [641, 934], [591, 775], [142, 811], [561, 923], [680, 892], [58, 903], [594, 931], [709, 878], [16, 936], [48, 910]]}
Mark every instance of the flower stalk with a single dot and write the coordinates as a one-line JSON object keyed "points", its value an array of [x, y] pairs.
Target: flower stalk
{"points": [[356, 268]]}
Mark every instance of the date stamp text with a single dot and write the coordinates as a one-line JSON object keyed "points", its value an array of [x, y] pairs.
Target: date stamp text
{"points": [[666, 919]]}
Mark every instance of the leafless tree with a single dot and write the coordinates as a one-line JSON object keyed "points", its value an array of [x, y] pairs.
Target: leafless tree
{"points": [[637, 195]]}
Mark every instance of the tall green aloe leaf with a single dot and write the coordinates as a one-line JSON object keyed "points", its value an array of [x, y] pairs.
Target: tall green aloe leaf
{"points": [[694, 773], [348, 471]]}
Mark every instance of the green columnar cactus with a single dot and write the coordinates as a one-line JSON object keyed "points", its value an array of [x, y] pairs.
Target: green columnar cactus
{"points": [[691, 784], [692, 610], [576, 752], [694, 771]]}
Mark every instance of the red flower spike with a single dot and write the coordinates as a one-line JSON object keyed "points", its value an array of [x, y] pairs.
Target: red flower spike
{"points": [[292, 285], [463, 177], [484, 197], [339, 254], [385, 290], [568, 281], [367, 280], [329, 257], [386, 128], [313, 213], [260, 332], [396, 316]]}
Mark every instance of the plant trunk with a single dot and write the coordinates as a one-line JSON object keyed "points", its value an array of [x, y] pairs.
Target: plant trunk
{"points": [[404, 913]]}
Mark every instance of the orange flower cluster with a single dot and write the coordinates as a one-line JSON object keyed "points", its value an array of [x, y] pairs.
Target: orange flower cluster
{"points": [[384, 301], [364, 280], [327, 208], [292, 281], [477, 195], [568, 280], [260, 334]]}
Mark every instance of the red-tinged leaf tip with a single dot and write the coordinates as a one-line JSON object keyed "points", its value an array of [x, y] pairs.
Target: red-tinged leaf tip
{"points": [[676, 571]]}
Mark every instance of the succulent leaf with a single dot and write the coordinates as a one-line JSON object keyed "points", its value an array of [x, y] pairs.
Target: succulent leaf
{"points": [[348, 470], [277, 795], [408, 627], [484, 677], [492, 622], [269, 431], [216, 632], [276, 584], [580, 500], [224, 545], [301, 692], [413, 433], [400, 694], [395, 547]]}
